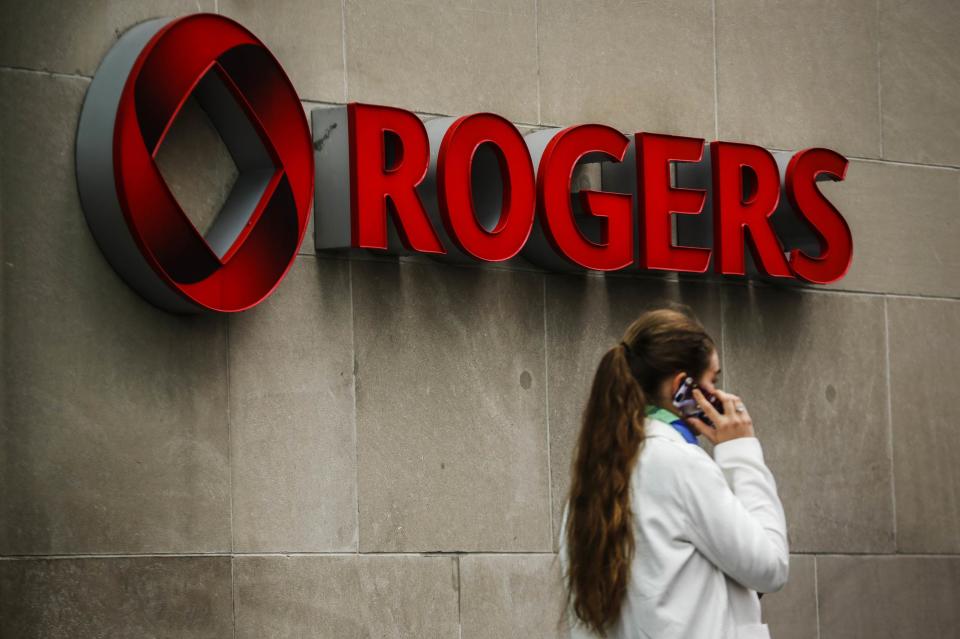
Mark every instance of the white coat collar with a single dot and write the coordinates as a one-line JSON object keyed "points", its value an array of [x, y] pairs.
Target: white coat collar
{"points": [[656, 428]]}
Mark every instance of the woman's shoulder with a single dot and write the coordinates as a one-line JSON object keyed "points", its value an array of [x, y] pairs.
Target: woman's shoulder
{"points": [[673, 447], [666, 458]]}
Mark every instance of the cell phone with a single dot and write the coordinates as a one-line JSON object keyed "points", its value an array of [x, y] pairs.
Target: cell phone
{"points": [[687, 404]]}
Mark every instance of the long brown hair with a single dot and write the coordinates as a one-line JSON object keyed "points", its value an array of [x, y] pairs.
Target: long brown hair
{"points": [[599, 534]]}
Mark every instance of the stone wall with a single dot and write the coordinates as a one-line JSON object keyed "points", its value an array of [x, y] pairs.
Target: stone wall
{"points": [[382, 447]]}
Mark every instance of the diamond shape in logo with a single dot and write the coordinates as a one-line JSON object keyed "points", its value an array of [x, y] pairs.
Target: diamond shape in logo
{"points": [[138, 92], [197, 165]]}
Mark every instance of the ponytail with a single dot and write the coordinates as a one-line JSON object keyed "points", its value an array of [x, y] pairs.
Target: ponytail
{"points": [[600, 516]]}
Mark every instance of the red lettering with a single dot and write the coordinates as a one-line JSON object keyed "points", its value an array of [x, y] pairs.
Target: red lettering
{"points": [[659, 200], [735, 210], [745, 182], [454, 171], [373, 183], [833, 233], [615, 250]]}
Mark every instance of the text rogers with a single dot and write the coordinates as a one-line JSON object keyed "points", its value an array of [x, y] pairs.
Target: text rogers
{"points": [[377, 162]]}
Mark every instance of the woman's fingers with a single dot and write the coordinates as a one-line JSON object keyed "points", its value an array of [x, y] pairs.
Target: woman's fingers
{"points": [[731, 424], [727, 399], [703, 429], [706, 406]]}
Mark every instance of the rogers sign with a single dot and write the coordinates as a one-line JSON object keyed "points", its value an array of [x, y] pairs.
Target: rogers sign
{"points": [[458, 188]]}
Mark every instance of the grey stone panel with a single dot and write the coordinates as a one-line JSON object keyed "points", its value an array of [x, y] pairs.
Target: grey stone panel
{"points": [[291, 415], [888, 597], [794, 76], [635, 66], [511, 595], [162, 597], [346, 597], [810, 368], [451, 420], [924, 351], [451, 58], [920, 80]]}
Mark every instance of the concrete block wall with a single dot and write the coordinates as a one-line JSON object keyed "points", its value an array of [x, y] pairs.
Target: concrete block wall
{"points": [[381, 448]]}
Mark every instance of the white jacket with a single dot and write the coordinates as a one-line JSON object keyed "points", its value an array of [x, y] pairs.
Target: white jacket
{"points": [[709, 533]]}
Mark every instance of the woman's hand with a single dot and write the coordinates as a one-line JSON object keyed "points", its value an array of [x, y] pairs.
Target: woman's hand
{"points": [[729, 425]]}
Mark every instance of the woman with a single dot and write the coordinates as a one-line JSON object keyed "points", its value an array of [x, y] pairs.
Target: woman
{"points": [[658, 539]]}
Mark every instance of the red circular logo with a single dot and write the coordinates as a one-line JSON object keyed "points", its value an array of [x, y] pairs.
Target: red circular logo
{"points": [[137, 93]]}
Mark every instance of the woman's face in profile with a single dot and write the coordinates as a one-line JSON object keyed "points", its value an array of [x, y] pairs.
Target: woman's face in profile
{"points": [[709, 379]]}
